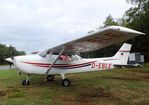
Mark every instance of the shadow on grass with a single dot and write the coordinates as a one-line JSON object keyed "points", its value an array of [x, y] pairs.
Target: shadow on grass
{"points": [[122, 78]]}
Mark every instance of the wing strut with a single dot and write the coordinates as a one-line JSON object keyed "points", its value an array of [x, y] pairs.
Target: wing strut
{"points": [[55, 60]]}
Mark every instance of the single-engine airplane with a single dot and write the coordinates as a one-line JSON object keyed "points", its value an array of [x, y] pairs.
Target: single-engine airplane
{"points": [[65, 59]]}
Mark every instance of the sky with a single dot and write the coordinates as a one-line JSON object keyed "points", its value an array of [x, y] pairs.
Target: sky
{"points": [[35, 25]]}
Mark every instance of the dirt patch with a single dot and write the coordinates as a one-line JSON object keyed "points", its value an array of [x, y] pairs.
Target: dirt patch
{"points": [[64, 99], [141, 71], [143, 75], [2, 93], [68, 99], [140, 74], [92, 95], [87, 96]]}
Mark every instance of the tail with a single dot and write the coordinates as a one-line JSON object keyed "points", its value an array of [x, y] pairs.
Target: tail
{"points": [[122, 55]]}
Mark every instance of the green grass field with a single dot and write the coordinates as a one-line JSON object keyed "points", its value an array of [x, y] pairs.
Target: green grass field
{"points": [[129, 86]]}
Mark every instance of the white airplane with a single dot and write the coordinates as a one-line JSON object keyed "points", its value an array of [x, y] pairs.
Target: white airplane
{"points": [[64, 59]]}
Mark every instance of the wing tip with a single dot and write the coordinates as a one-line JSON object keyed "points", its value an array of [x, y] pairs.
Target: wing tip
{"points": [[124, 29]]}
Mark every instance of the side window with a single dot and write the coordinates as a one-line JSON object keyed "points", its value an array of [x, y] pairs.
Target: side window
{"points": [[75, 57], [65, 58]]}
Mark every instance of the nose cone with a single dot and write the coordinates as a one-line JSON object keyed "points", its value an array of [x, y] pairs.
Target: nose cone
{"points": [[9, 60]]}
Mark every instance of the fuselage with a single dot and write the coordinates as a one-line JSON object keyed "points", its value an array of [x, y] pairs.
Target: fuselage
{"points": [[35, 64]]}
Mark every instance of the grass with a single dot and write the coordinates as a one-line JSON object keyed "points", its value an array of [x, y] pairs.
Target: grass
{"points": [[129, 86]]}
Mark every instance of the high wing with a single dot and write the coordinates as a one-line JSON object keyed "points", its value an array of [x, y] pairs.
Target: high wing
{"points": [[97, 40]]}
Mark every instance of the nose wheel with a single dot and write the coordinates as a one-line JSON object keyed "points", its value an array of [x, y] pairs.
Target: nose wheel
{"points": [[50, 77], [26, 82]]}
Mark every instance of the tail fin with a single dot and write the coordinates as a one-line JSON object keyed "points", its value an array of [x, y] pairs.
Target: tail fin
{"points": [[123, 54]]}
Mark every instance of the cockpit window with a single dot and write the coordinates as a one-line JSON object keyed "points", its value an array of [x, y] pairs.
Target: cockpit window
{"points": [[63, 57], [76, 57]]}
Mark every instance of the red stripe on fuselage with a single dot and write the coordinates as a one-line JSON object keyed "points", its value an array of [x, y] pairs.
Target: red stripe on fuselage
{"points": [[56, 65]]}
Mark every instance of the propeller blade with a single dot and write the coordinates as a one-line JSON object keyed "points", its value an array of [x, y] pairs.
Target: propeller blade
{"points": [[10, 60], [10, 66]]}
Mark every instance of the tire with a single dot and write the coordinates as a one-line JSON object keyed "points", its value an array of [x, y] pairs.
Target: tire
{"points": [[50, 77], [25, 83], [65, 82]]}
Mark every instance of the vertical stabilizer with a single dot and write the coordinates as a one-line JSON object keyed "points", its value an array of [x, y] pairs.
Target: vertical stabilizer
{"points": [[123, 54]]}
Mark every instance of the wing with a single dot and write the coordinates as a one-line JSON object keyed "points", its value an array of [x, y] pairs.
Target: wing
{"points": [[97, 40]]}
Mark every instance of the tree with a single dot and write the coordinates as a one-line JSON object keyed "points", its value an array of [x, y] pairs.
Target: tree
{"points": [[6, 52], [134, 1], [109, 21], [137, 18]]}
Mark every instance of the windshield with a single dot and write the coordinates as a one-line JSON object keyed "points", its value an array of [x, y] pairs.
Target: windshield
{"points": [[43, 53]]}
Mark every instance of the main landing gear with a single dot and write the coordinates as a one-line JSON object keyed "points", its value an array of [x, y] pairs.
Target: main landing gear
{"points": [[26, 82], [65, 82]]}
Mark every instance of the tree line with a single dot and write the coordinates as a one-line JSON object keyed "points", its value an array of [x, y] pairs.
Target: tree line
{"points": [[6, 52], [135, 18]]}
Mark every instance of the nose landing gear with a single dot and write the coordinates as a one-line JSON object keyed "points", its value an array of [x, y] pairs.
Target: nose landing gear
{"points": [[26, 82]]}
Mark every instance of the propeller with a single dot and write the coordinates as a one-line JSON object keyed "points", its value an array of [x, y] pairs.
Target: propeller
{"points": [[10, 60], [12, 57]]}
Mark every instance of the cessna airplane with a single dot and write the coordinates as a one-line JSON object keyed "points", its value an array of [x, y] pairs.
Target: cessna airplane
{"points": [[65, 59]]}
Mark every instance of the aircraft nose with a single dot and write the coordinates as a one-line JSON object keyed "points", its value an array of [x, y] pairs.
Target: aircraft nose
{"points": [[9, 60]]}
